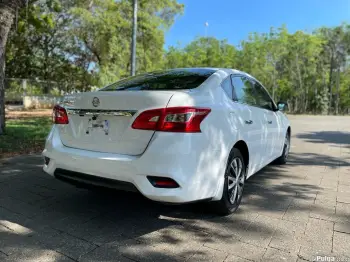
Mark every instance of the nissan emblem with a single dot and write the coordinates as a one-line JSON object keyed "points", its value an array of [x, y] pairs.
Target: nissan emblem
{"points": [[95, 102]]}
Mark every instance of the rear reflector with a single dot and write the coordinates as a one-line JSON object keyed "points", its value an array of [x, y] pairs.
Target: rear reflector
{"points": [[172, 119], [46, 160], [59, 115], [162, 182]]}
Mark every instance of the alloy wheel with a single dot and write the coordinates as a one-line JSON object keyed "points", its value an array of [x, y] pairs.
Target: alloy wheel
{"points": [[286, 146], [236, 179]]}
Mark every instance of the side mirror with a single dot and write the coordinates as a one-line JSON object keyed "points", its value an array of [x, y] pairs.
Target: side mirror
{"points": [[282, 106]]}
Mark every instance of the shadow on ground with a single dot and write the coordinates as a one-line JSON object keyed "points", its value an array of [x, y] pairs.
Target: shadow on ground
{"points": [[331, 137], [74, 222], [312, 160]]}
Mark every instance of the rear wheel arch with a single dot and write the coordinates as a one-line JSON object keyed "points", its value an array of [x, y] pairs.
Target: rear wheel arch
{"points": [[289, 131], [243, 148], [282, 159], [224, 204]]}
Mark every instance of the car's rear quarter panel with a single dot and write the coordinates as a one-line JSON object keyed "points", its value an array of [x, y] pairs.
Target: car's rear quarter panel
{"points": [[209, 149]]}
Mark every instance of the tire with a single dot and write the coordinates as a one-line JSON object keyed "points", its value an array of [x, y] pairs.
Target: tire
{"points": [[286, 147], [231, 197]]}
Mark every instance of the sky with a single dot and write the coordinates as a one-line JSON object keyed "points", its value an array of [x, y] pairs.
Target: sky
{"points": [[234, 20]]}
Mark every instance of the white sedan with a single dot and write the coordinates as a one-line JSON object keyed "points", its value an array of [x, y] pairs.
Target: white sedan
{"points": [[175, 136]]}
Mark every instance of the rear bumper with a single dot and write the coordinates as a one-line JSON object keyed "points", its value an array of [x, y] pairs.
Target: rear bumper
{"points": [[196, 173], [77, 178]]}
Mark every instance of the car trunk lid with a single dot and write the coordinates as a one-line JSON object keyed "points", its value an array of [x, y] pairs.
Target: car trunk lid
{"points": [[101, 121]]}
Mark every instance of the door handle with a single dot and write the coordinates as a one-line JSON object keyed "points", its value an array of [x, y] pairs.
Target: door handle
{"points": [[269, 122], [249, 122]]}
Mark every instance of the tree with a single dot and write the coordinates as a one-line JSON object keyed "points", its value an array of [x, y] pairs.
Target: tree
{"points": [[336, 49], [84, 40], [298, 68], [37, 45], [202, 52], [102, 35], [8, 9], [88, 42]]}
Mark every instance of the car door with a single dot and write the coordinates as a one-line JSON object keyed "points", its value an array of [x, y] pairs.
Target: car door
{"points": [[239, 113], [271, 122], [251, 121]]}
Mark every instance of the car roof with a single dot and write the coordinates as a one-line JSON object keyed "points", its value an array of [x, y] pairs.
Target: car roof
{"points": [[197, 70], [213, 70]]}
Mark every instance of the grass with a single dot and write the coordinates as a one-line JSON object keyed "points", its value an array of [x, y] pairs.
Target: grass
{"points": [[24, 136]]}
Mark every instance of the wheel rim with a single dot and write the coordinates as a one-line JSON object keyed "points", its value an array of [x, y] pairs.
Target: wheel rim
{"points": [[286, 146], [235, 180]]}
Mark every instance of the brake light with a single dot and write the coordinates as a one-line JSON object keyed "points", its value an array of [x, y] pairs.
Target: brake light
{"points": [[172, 119], [148, 120], [59, 115]]}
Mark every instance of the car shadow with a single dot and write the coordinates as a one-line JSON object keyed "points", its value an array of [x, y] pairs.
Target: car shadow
{"points": [[58, 216]]}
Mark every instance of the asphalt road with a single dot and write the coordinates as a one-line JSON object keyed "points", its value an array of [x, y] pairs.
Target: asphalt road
{"points": [[294, 212]]}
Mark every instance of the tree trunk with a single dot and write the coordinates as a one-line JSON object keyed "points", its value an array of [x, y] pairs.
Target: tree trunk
{"points": [[330, 86], [307, 99], [300, 81], [46, 84], [133, 39], [296, 110], [337, 95], [316, 98], [324, 96], [273, 86], [6, 19]]}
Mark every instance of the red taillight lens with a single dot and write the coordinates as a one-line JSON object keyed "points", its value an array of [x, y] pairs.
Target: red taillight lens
{"points": [[172, 119], [59, 115], [148, 120], [183, 119]]}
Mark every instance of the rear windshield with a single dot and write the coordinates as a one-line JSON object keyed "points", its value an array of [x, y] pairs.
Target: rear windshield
{"points": [[175, 79]]}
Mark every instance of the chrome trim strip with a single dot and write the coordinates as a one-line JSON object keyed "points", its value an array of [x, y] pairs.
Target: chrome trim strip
{"points": [[96, 112]]}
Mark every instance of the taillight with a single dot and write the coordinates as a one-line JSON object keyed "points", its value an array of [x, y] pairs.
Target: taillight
{"points": [[59, 115], [148, 120], [172, 119]]}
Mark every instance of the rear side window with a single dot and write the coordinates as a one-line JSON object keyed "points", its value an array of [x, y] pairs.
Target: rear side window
{"points": [[243, 90], [227, 86], [262, 97], [175, 79]]}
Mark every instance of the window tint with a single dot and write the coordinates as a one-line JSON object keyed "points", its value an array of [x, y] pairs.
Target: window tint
{"points": [[262, 97], [227, 86], [243, 90], [163, 80]]}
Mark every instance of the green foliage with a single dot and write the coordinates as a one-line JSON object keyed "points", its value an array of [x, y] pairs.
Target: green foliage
{"points": [[86, 43], [202, 52], [323, 101], [103, 31], [15, 142], [295, 68]]}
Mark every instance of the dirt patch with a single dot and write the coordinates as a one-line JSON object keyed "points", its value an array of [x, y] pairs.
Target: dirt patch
{"points": [[34, 148], [28, 113]]}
